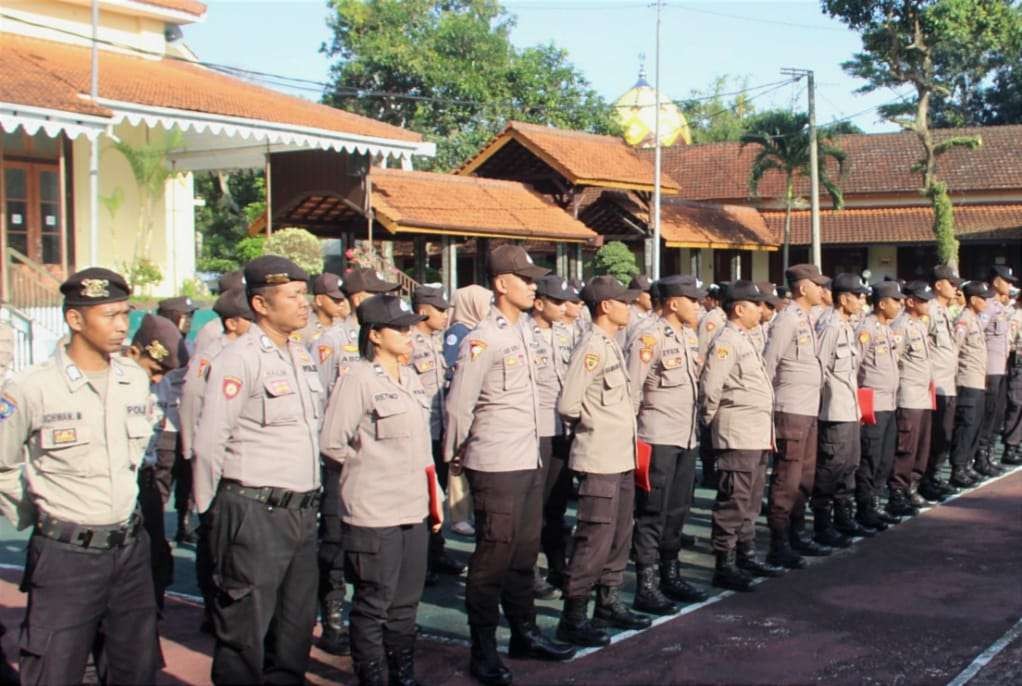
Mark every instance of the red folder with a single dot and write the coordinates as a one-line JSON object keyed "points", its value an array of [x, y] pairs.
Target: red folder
{"points": [[435, 499], [933, 396], [866, 405], [643, 457]]}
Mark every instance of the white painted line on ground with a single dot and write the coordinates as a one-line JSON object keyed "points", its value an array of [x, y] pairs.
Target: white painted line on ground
{"points": [[987, 655]]}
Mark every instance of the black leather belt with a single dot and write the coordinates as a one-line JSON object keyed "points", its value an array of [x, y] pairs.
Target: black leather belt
{"points": [[95, 537], [274, 497]]}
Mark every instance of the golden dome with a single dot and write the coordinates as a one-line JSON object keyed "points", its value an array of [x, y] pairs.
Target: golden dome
{"points": [[635, 111]]}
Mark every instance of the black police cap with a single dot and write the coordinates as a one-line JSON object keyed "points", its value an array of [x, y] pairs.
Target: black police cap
{"points": [[94, 286], [607, 287], [366, 280], [1002, 271], [234, 279], [798, 272], [385, 310], [179, 304], [158, 338], [327, 284], [743, 289], [919, 290], [512, 259], [272, 270], [849, 283], [554, 287], [430, 295], [979, 289], [233, 303], [943, 271], [887, 289], [680, 286], [640, 283]]}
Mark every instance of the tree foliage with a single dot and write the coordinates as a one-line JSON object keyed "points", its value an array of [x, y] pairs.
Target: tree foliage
{"points": [[447, 69], [616, 259], [297, 245], [713, 116], [232, 201]]}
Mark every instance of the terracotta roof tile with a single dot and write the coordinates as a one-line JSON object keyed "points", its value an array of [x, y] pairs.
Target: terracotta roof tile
{"points": [[718, 226], [583, 158], [169, 83], [23, 83], [897, 224], [877, 164], [470, 205]]}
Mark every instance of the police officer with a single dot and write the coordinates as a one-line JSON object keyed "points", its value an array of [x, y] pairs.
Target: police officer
{"points": [[710, 324], [492, 433], [234, 317], [212, 330], [154, 348], [552, 346], [971, 380], [995, 322], [878, 372], [257, 463], [179, 310], [427, 360], [839, 449], [944, 362], [794, 369], [73, 431], [664, 366], [377, 426], [329, 308], [1013, 416], [640, 313], [915, 400], [768, 312], [736, 400]]}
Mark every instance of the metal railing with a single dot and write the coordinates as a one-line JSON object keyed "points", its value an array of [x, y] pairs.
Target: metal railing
{"points": [[408, 284]]}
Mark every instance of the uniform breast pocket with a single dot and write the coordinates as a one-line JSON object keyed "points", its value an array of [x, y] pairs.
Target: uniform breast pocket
{"points": [[673, 373], [138, 431], [613, 387], [843, 359], [514, 370], [392, 419], [317, 392], [1000, 326], [280, 402], [65, 449]]}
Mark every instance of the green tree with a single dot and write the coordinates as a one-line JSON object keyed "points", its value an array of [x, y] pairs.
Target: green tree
{"points": [[714, 116], [459, 77], [616, 259], [232, 202], [783, 140], [299, 246], [941, 49]]}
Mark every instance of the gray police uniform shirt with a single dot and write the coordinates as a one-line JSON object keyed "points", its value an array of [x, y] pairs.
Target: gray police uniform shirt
{"points": [[1015, 335], [6, 351], [70, 449], [428, 362], [551, 352], [915, 367], [839, 355], [736, 397], [710, 325], [597, 400], [378, 428], [879, 368], [792, 363], [210, 332], [194, 389], [943, 349], [492, 404], [638, 320], [995, 322], [335, 351], [663, 366], [972, 351], [169, 392], [260, 417]]}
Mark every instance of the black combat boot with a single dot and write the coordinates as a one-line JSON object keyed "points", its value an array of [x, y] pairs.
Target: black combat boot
{"points": [[184, 536], [846, 523], [443, 563], [648, 596], [747, 560], [674, 585], [899, 505], [611, 612], [866, 514], [883, 513], [527, 641], [401, 665], [824, 532], [575, 627], [1012, 455], [370, 673], [984, 463], [962, 478], [334, 639], [485, 664], [802, 544], [931, 490], [727, 575], [781, 553]]}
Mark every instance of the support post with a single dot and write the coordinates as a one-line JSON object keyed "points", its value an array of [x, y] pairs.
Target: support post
{"points": [[268, 172], [420, 259]]}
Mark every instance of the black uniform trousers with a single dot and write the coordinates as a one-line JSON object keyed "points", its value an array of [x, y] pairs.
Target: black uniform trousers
{"points": [[739, 497], [387, 567], [837, 460], [331, 546], [603, 533], [264, 570], [660, 514], [912, 454], [554, 451], [508, 514], [1013, 415], [161, 560], [942, 431], [879, 442], [79, 598], [994, 404], [791, 484], [968, 418], [436, 540]]}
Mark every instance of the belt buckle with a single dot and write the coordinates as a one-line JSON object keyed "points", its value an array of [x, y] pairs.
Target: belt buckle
{"points": [[85, 537], [286, 498], [117, 538]]}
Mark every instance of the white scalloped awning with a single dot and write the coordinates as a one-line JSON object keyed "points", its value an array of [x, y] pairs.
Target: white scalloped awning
{"points": [[52, 122]]}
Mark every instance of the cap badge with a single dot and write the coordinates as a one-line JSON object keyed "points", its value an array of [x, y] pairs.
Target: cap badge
{"points": [[95, 288], [528, 258], [564, 285], [404, 306], [277, 279], [157, 351]]}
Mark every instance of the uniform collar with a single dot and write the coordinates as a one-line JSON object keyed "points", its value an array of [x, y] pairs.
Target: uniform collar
{"points": [[75, 378]]}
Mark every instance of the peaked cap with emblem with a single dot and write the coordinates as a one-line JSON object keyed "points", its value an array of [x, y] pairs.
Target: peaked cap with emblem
{"points": [[179, 304], [979, 289], [430, 295], [640, 283], [798, 272], [919, 290], [234, 279], [943, 271], [94, 286], [384, 310], [607, 287], [554, 287], [233, 303], [512, 259], [681, 286], [1002, 271], [328, 284], [158, 338], [272, 270], [746, 290], [366, 280], [849, 283], [887, 289], [770, 296]]}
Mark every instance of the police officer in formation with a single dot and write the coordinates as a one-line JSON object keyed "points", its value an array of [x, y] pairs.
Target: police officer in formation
{"points": [[849, 403]]}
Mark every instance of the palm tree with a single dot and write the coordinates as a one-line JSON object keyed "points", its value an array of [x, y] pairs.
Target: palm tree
{"points": [[783, 139]]}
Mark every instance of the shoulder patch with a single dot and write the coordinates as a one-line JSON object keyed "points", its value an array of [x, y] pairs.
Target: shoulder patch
{"points": [[590, 361], [476, 348], [710, 326], [645, 354], [231, 387], [324, 352], [451, 339], [7, 407], [647, 340], [723, 352], [864, 338]]}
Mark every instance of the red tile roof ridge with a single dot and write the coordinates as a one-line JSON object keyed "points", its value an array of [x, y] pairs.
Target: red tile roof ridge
{"points": [[192, 7], [423, 175]]}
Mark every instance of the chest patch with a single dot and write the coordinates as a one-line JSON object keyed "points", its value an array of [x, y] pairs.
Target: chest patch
{"points": [[64, 436]]}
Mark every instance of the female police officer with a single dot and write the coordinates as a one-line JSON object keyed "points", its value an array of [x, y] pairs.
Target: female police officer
{"points": [[377, 425]]}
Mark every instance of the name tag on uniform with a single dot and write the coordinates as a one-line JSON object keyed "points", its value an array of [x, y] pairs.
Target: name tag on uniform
{"points": [[423, 366], [64, 436], [881, 349], [510, 360], [350, 348], [279, 387], [673, 362]]}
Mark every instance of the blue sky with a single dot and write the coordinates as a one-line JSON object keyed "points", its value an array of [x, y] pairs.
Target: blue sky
{"points": [[700, 41]]}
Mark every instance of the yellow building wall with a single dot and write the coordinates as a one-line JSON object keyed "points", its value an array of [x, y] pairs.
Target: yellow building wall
{"points": [[57, 20], [171, 243]]}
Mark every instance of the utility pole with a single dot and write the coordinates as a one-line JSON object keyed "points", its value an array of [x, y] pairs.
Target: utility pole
{"points": [[656, 156], [94, 148], [814, 164]]}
